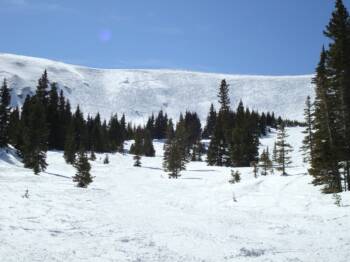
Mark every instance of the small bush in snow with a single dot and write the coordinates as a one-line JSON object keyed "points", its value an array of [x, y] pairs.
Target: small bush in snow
{"points": [[235, 177], [26, 194], [337, 199], [106, 160]]}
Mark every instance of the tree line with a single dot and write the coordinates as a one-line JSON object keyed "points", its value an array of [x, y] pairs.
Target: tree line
{"points": [[46, 121]]}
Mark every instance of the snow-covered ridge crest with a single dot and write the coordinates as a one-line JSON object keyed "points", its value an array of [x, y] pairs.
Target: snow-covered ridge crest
{"points": [[138, 93]]}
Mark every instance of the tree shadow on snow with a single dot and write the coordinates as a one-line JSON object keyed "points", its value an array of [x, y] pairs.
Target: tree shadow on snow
{"points": [[202, 170], [153, 168], [58, 175]]}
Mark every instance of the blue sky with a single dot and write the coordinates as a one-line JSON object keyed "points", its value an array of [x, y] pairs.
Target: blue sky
{"points": [[274, 37]]}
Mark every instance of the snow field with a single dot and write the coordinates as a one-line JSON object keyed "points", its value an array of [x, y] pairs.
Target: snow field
{"points": [[138, 214]]}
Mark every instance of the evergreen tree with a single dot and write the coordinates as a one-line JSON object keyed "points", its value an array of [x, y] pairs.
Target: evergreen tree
{"points": [[274, 155], [235, 177], [263, 124], [5, 100], [325, 158], [70, 146], [64, 117], [338, 71], [15, 129], [150, 125], [197, 151], [211, 121], [42, 89], [76, 136], [265, 162], [218, 151], [83, 176], [116, 134], [283, 150], [160, 126], [174, 158], [308, 139], [148, 149], [137, 147], [53, 118], [223, 96], [245, 137], [182, 141], [35, 136], [214, 154]]}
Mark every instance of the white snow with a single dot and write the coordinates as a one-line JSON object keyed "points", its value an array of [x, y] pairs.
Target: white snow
{"points": [[138, 93], [138, 214]]}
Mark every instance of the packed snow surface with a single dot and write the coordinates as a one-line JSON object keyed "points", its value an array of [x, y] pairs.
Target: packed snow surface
{"points": [[138, 214], [139, 93]]}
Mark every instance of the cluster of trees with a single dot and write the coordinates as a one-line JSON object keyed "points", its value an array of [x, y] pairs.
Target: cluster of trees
{"points": [[46, 122], [5, 99], [327, 133], [280, 158], [234, 135], [234, 138]]}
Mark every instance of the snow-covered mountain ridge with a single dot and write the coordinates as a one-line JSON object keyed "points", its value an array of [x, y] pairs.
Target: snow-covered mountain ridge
{"points": [[138, 93]]}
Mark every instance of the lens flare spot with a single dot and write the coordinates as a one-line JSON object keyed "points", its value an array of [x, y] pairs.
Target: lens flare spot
{"points": [[105, 35]]}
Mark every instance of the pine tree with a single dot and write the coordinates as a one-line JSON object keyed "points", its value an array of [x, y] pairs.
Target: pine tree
{"points": [[150, 125], [174, 158], [70, 145], [211, 121], [245, 137], [53, 118], [218, 151], [15, 129], [223, 96], [76, 136], [83, 176], [42, 89], [308, 139], [265, 162], [5, 100], [235, 177], [35, 135], [338, 71], [197, 151], [283, 149], [325, 159], [148, 149], [137, 147], [274, 155], [64, 116], [182, 139]]}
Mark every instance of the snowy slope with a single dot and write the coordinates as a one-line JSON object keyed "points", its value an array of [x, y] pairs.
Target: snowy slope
{"points": [[138, 214], [138, 93]]}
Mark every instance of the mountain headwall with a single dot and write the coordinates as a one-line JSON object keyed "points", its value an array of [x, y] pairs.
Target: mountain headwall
{"points": [[138, 93]]}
